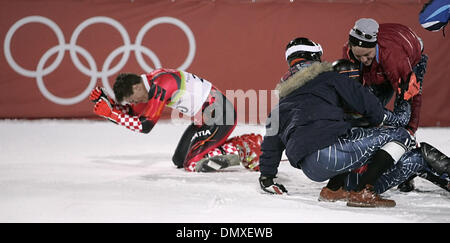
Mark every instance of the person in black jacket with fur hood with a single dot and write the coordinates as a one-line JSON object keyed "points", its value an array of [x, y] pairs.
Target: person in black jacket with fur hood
{"points": [[314, 134]]}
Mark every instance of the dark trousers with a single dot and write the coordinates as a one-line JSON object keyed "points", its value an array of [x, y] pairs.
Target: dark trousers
{"points": [[197, 140], [351, 151]]}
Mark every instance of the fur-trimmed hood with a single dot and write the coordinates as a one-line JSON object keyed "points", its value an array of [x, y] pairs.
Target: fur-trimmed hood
{"points": [[302, 77]]}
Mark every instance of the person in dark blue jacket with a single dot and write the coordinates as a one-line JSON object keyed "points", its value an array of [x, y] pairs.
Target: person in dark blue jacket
{"points": [[314, 135]]}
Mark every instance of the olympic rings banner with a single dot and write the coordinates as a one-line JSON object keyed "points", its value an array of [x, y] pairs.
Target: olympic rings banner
{"points": [[55, 52]]}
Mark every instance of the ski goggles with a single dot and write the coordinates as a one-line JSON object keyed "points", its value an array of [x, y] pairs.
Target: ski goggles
{"points": [[360, 33]]}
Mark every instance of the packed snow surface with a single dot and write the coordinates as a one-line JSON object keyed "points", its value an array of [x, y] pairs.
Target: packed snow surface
{"points": [[95, 171]]}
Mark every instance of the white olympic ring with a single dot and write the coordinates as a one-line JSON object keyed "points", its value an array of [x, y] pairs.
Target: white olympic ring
{"points": [[92, 71]]}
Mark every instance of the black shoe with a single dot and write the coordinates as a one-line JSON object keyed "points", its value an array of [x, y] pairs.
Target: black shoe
{"points": [[407, 185], [435, 158]]}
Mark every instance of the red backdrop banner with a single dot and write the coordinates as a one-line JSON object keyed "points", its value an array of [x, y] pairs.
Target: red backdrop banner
{"points": [[55, 52]]}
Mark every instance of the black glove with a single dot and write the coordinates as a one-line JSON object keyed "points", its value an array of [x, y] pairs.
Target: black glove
{"points": [[267, 185]]}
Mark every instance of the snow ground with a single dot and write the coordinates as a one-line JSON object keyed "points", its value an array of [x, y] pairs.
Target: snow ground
{"points": [[94, 171]]}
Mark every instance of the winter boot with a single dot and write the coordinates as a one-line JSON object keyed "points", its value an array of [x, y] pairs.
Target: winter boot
{"points": [[369, 199], [249, 146], [328, 195], [435, 158]]}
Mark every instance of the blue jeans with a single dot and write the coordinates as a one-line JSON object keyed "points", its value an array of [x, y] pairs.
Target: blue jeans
{"points": [[351, 151]]}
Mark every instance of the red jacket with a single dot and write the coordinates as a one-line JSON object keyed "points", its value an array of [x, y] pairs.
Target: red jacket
{"points": [[176, 89], [397, 52]]}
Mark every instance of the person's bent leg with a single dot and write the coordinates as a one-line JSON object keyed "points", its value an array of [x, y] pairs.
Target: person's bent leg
{"points": [[219, 122], [381, 161], [350, 152], [183, 145], [410, 164]]}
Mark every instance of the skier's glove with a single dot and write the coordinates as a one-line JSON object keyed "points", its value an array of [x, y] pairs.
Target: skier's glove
{"points": [[104, 108], [267, 185], [97, 93]]}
